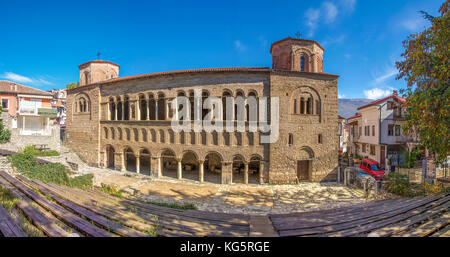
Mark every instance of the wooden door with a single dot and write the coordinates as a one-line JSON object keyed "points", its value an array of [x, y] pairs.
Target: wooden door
{"points": [[303, 170]]}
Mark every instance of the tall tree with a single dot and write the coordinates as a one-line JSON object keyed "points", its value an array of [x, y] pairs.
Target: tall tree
{"points": [[425, 67]]}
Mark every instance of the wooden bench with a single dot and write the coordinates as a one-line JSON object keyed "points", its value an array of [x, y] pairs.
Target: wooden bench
{"points": [[8, 228]]}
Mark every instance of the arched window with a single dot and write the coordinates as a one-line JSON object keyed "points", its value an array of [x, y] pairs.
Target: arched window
{"points": [[302, 63], [302, 105], [295, 106]]}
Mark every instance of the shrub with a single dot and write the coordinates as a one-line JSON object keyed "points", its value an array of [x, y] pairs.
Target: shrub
{"points": [[398, 184], [433, 189], [23, 162], [48, 173]]}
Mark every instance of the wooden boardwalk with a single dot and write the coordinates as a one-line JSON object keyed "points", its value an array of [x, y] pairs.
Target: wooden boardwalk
{"points": [[58, 211], [400, 217]]}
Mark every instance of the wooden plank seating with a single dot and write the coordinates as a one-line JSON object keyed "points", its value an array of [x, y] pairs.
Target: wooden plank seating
{"points": [[43, 222], [169, 220], [323, 220], [8, 227], [63, 214], [427, 228], [88, 214], [383, 218]]}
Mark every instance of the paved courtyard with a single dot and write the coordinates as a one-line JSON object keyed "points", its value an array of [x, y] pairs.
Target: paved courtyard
{"points": [[235, 198]]}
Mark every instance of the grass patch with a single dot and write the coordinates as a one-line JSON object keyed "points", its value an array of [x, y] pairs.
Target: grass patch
{"points": [[7, 198], [55, 173], [112, 190], [31, 149], [186, 206]]}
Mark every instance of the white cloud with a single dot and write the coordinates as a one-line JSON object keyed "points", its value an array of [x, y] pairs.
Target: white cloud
{"points": [[312, 18], [377, 93], [331, 12], [23, 79], [348, 5], [388, 73], [341, 96], [238, 45], [16, 77]]}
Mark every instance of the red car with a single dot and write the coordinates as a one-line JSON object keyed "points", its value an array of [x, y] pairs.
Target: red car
{"points": [[373, 168]]}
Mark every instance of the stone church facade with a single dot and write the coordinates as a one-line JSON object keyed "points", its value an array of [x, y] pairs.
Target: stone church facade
{"points": [[124, 123]]}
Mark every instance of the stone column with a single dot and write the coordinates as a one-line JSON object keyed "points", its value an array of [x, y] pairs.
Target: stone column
{"points": [[159, 167], [201, 172], [179, 171], [138, 109], [261, 172], [123, 168], [138, 164], [246, 173], [167, 111], [304, 106], [105, 161], [123, 109]]}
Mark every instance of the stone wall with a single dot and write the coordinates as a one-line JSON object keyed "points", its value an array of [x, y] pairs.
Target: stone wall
{"points": [[305, 129], [18, 141]]}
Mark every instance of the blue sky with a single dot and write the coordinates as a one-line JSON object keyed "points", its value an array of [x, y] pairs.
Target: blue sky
{"points": [[43, 42]]}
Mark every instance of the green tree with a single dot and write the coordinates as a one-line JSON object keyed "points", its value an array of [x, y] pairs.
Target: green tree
{"points": [[72, 85], [424, 66], [5, 134]]}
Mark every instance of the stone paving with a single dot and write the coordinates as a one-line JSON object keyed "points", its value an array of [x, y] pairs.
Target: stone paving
{"points": [[235, 198]]}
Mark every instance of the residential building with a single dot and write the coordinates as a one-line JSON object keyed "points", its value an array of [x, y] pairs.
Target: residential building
{"points": [[29, 115], [376, 131]]}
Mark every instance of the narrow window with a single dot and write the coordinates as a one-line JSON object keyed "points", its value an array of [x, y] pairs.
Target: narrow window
{"points": [[302, 63], [291, 139], [295, 106], [319, 139], [397, 130], [5, 103], [302, 106], [373, 130], [390, 130]]}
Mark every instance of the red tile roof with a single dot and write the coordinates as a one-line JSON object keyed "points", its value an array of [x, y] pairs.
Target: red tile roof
{"points": [[14, 88], [97, 61], [250, 69], [394, 95], [296, 39], [357, 115]]}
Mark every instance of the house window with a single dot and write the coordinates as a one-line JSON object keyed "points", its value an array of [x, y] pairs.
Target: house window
{"points": [[373, 130], [291, 139], [390, 130], [397, 130], [364, 148], [372, 150], [295, 106], [5, 103], [389, 106], [360, 131], [319, 139]]}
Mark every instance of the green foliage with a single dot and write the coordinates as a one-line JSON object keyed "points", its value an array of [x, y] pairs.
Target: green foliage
{"points": [[31, 149], [185, 206], [72, 85], [398, 184], [5, 134], [425, 67], [7, 198], [23, 162], [48, 173], [112, 190], [410, 158]]}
